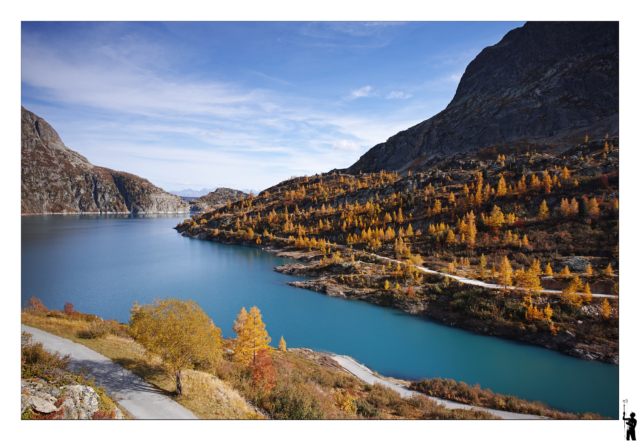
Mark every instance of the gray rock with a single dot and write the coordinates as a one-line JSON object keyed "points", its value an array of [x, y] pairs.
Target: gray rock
{"points": [[545, 81], [39, 404], [83, 187], [577, 263]]}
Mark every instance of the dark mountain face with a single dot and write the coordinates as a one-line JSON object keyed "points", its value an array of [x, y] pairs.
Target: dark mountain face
{"points": [[55, 179], [546, 81]]}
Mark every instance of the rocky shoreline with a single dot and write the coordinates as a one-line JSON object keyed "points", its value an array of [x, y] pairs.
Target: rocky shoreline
{"points": [[564, 342]]}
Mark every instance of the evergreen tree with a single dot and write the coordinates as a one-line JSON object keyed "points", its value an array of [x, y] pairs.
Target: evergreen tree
{"points": [[583, 209], [283, 344]]}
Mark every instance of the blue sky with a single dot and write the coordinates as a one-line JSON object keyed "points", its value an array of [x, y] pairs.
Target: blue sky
{"points": [[240, 104]]}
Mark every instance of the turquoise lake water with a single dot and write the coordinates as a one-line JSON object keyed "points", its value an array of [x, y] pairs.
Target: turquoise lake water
{"points": [[102, 264]]}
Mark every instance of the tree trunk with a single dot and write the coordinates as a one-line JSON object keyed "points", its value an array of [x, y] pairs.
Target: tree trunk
{"points": [[179, 382]]}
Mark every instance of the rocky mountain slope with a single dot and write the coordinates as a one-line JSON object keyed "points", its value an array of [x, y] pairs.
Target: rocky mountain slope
{"points": [[218, 198], [55, 179], [544, 82]]}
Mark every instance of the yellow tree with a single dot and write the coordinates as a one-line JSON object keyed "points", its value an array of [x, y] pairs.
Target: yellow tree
{"points": [[497, 218], [587, 297], [504, 276], [548, 313], [437, 207], [283, 344], [608, 271], [450, 238], [544, 210], [179, 332], [251, 336], [548, 271], [589, 270], [565, 272], [502, 187], [606, 309], [386, 284]]}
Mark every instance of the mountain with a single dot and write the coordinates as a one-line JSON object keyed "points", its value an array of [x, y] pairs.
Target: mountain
{"points": [[192, 193], [55, 179], [220, 197], [543, 82]]}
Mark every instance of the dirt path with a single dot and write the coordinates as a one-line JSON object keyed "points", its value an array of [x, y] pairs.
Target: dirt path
{"points": [[471, 281], [367, 376], [134, 394]]}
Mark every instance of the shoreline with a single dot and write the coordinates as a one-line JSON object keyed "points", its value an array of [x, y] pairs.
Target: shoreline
{"points": [[562, 344], [107, 212]]}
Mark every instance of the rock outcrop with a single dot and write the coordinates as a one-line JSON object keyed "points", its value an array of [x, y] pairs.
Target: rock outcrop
{"points": [[219, 197], [544, 82], [73, 402], [55, 179]]}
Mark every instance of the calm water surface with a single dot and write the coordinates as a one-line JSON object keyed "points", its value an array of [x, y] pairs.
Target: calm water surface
{"points": [[102, 264]]}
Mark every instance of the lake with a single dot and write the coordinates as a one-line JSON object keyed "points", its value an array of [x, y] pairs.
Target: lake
{"points": [[103, 263]]}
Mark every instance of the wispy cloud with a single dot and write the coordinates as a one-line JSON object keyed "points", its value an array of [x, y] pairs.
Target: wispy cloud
{"points": [[363, 92], [124, 103], [394, 95], [349, 146]]}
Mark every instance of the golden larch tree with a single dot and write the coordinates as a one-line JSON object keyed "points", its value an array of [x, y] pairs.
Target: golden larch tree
{"points": [[504, 277], [543, 212], [502, 187], [606, 309], [251, 336], [283, 344], [548, 271], [548, 313], [608, 271]]}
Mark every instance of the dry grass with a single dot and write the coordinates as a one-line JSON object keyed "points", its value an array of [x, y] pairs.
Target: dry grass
{"points": [[204, 397], [211, 398]]}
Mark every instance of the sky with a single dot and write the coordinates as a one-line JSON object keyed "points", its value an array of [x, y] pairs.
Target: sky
{"points": [[240, 104]]}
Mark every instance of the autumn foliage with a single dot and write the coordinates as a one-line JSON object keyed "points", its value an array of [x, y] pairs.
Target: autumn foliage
{"points": [[179, 332]]}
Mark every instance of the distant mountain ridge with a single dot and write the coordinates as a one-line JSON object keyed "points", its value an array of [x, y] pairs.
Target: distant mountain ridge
{"points": [[56, 179], [543, 82], [192, 193], [205, 191]]}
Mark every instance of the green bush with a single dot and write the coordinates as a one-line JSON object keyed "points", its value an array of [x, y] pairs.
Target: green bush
{"points": [[366, 409], [295, 400], [37, 361]]}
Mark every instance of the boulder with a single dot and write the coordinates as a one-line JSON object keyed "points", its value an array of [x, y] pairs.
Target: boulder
{"points": [[576, 264]]}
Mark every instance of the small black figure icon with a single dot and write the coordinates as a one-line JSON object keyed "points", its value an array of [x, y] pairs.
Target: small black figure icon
{"points": [[631, 423]]}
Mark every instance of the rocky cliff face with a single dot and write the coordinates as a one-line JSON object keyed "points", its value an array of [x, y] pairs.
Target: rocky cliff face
{"points": [[55, 179], [220, 197], [546, 81]]}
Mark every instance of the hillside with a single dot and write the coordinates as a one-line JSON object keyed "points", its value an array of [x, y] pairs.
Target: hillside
{"points": [[285, 384], [220, 197], [56, 179], [516, 216], [544, 82]]}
